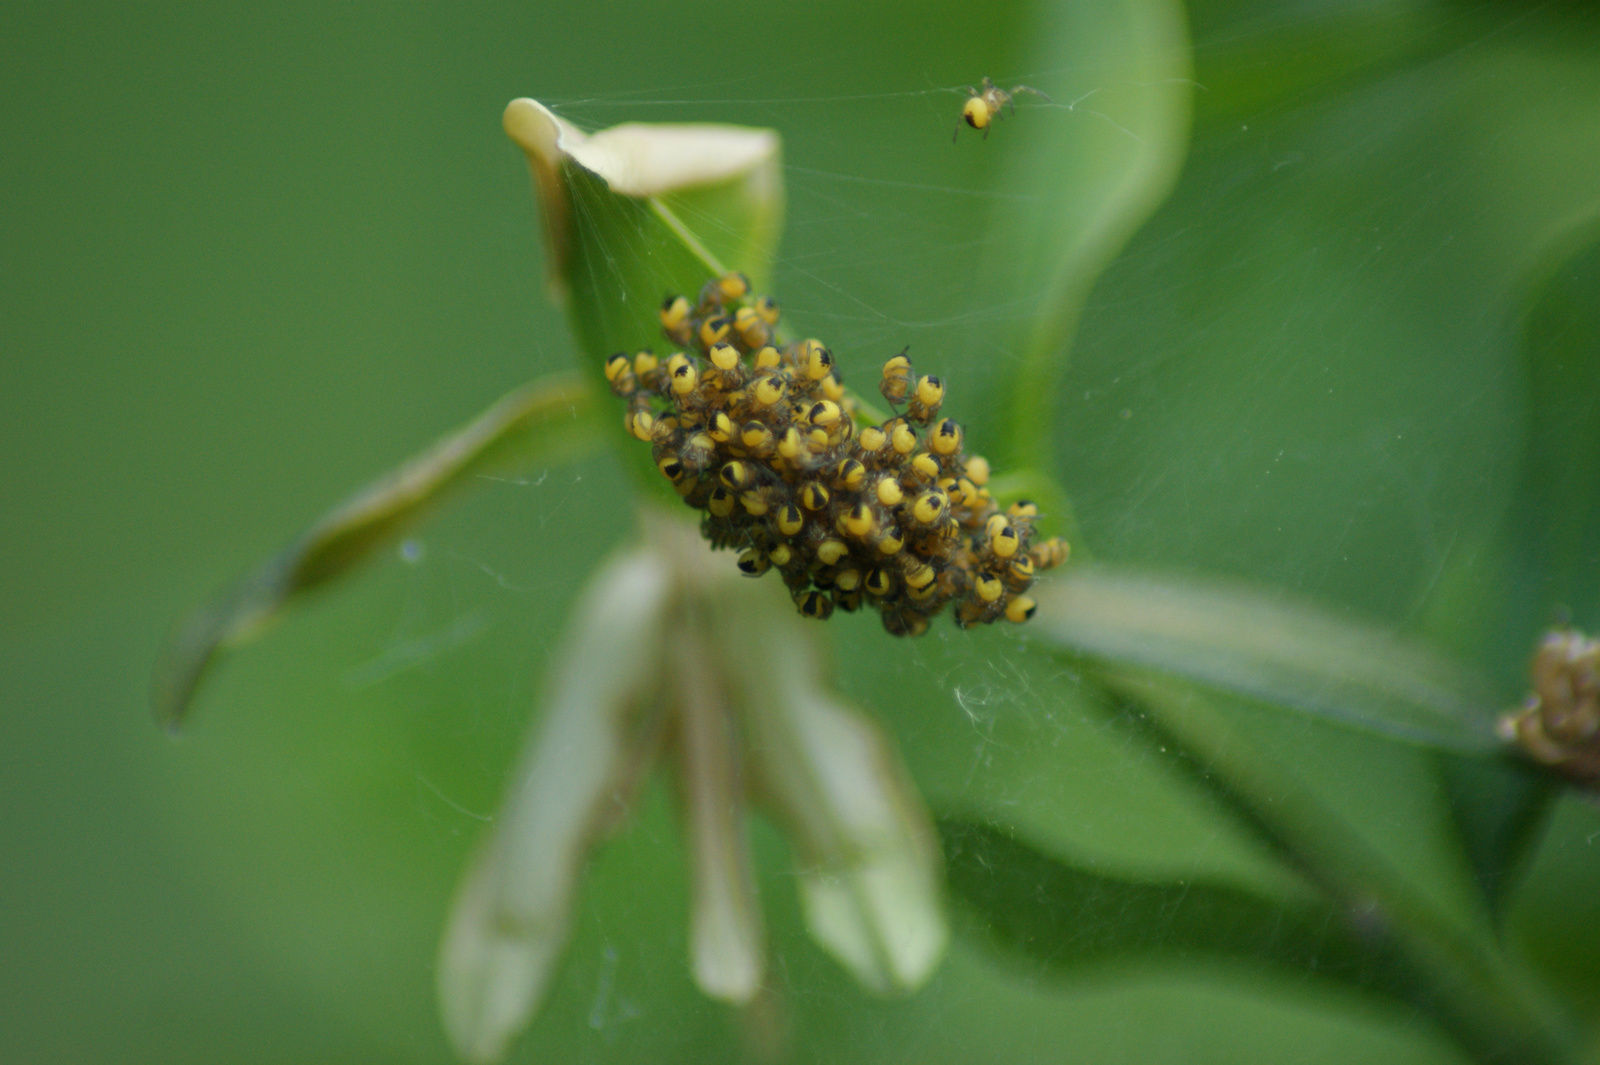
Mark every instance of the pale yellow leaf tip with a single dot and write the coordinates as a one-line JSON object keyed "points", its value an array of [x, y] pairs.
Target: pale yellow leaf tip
{"points": [[638, 159]]}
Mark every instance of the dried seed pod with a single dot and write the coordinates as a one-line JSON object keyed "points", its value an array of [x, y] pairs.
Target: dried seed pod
{"points": [[1559, 723]]}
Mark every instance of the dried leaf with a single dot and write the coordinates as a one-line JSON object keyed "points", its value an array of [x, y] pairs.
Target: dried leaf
{"points": [[594, 736], [869, 859], [538, 422], [727, 939]]}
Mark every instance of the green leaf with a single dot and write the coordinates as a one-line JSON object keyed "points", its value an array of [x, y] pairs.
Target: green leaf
{"points": [[1268, 648], [1090, 181], [637, 212], [548, 420], [1493, 1009], [1070, 920], [1319, 47], [1551, 536], [1501, 808], [1555, 516]]}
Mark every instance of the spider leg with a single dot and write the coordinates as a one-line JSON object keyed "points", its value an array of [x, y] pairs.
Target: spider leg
{"points": [[1025, 88]]}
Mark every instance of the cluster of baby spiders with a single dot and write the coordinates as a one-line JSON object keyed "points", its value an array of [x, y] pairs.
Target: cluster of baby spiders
{"points": [[983, 106], [764, 440]]}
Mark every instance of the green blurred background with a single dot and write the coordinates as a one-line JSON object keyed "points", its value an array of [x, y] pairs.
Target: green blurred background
{"points": [[256, 254]]}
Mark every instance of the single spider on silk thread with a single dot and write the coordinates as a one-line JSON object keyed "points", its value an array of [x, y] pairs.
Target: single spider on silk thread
{"points": [[983, 106]]}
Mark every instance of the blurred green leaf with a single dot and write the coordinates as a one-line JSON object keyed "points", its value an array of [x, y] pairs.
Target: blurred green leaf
{"points": [[1090, 180], [636, 212], [1501, 807], [548, 420], [1301, 369], [1494, 1010], [1555, 516], [1551, 534], [1271, 52], [1264, 647], [1071, 919]]}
